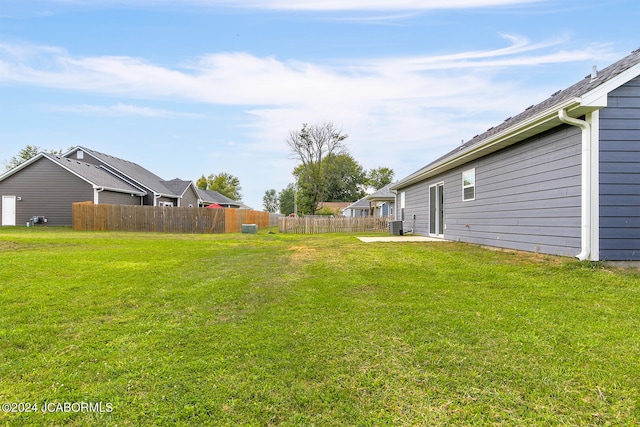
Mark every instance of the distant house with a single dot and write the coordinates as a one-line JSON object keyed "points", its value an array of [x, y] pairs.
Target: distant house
{"points": [[359, 208], [380, 203], [47, 185], [211, 197], [186, 190], [335, 208], [562, 177], [157, 191]]}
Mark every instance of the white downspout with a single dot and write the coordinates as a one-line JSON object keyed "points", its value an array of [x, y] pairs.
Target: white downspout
{"points": [[585, 236], [96, 197]]}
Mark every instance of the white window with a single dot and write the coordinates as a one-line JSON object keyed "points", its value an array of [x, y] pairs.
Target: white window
{"points": [[469, 184]]}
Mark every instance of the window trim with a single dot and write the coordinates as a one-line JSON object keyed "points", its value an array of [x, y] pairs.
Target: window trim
{"points": [[473, 185]]}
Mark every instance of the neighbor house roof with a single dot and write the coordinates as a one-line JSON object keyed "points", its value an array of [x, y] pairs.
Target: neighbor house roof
{"points": [[96, 175], [211, 196], [587, 95], [178, 186], [361, 204], [383, 194], [132, 171]]}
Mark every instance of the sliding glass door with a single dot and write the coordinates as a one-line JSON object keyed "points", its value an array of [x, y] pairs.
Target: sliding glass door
{"points": [[436, 209]]}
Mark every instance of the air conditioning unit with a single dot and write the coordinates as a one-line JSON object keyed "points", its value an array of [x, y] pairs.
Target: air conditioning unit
{"points": [[395, 228], [39, 220]]}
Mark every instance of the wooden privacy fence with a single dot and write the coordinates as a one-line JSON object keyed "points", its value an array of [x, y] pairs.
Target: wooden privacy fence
{"points": [[234, 218], [87, 216], [316, 225]]}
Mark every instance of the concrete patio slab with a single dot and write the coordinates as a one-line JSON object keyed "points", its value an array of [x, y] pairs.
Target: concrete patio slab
{"points": [[400, 239]]}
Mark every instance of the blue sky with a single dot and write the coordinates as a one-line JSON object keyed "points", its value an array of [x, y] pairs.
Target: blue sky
{"points": [[194, 87]]}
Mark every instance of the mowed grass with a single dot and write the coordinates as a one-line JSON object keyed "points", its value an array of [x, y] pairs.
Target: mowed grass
{"points": [[276, 329]]}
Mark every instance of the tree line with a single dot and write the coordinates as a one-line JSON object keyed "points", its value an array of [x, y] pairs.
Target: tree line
{"points": [[224, 183], [326, 172]]}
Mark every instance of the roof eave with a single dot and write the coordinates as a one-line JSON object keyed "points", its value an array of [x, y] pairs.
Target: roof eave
{"points": [[120, 190], [541, 122], [21, 166]]}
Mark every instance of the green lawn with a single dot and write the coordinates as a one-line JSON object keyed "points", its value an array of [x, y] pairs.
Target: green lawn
{"points": [[276, 329]]}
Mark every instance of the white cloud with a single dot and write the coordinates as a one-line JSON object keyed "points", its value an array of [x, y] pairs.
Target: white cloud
{"points": [[319, 5], [368, 4], [119, 110], [423, 104]]}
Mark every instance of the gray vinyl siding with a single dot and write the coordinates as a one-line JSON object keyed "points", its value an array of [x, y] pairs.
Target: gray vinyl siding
{"points": [[47, 190], [167, 199], [189, 198], [620, 174], [116, 198], [416, 203], [527, 197], [86, 157]]}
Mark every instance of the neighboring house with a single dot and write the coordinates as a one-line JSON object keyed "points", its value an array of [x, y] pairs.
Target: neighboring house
{"points": [[47, 185], [187, 191], [211, 197], [335, 208], [383, 201], [360, 208], [562, 177], [380, 203], [157, 191]]}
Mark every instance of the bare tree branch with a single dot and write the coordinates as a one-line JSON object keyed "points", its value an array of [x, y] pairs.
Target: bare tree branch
{"points": [[312, 145]]}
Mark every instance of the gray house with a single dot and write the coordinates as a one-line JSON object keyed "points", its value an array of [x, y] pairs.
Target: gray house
{"points": [[157, 191], [211, 197], [48, 185], [380, 203], [562, 177]]}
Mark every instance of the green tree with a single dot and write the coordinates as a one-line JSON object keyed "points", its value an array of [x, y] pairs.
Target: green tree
{"points": [[25, 154], [224, 183], [286, 199], [202, 182], [347, 179], [379, 177], [270, 201], [312, 145]]}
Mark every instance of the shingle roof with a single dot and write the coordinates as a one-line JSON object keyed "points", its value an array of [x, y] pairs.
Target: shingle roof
{"points": [[381, 194], [177, 185], [363, 203], [133, 171], [95, 174], [211, 196], [577, 90]]}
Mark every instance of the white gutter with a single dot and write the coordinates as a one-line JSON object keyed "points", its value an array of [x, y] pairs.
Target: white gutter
{"points": [[99, 189], [96, 197], [585, 235], [544, 120]]}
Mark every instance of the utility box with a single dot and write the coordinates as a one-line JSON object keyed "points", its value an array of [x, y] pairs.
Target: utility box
{"points": [[37, 220], [395, 228], [250, 228]]}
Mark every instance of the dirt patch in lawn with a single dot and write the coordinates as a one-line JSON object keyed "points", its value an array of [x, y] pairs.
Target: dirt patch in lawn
{"points": [[302, 253]]}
